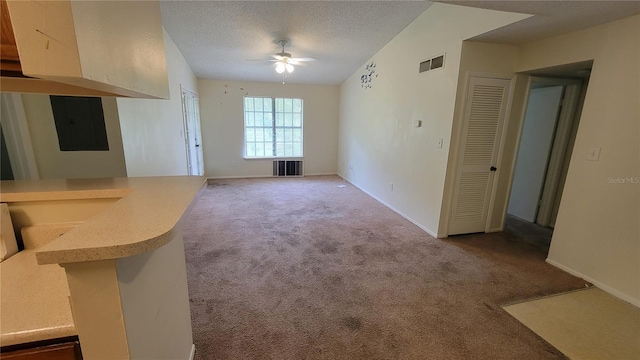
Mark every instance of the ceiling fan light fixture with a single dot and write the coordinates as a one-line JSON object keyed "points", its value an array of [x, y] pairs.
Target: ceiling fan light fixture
{"points": [[284, 61]]}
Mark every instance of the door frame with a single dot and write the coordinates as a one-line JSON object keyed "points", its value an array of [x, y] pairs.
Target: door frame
{"points": [[456, 153], [560, 144], [18, 138], [188, 130]]}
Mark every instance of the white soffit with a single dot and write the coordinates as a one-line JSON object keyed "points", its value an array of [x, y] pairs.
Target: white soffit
{"points": [[550, 18]]}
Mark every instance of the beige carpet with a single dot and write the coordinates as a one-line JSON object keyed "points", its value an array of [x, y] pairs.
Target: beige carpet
{"points": [[305, 269], [585, 324]]}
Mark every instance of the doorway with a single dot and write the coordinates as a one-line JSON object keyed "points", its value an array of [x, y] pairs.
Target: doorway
{"points": [[17, 151], [6, 173], [548, 133], [192, 135]]}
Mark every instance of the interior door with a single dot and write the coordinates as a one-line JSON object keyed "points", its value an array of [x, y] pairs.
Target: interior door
{"points": [[560, 153], [193, 140], [485, 112], [537, 137]]}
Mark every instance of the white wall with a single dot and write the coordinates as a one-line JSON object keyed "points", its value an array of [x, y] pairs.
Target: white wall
{"points": [[135, 307], [597, 232], [55, 164], [378, 143], [222, 121], [153, 130], [155, 302]]}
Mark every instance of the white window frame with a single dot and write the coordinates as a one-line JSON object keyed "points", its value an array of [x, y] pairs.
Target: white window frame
{"points": [[274, 127]]}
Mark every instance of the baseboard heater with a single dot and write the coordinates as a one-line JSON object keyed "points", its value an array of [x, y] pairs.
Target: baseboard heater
{"points": [[287, 168]]}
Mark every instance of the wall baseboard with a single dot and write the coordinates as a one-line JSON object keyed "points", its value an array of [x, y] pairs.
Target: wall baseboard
{"points": [[265, 176], [238, 177], [193, 352], [322, 174], [620, 295], [425, 229]]}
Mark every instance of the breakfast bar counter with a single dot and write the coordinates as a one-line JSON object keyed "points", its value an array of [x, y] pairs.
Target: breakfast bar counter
{"points": [[122, 262], [142, 219]]}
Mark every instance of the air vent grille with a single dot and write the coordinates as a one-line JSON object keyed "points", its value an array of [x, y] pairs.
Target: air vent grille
{"points": [[287, 168], [431, 64]]}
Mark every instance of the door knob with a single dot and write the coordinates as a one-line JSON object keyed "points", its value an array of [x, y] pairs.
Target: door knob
{"points": [[493, 168]]}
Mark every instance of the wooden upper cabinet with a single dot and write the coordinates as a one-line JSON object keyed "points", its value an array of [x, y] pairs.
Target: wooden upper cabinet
{"points": [[88, 48], [9, 59]]}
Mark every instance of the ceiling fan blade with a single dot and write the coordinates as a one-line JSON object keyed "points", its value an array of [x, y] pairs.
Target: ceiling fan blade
{"points": [[277, 57], [261, 60], [299, 60]]}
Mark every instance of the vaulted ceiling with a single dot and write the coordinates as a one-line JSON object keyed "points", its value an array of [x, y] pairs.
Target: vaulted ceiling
{"points": [[227, 39]]}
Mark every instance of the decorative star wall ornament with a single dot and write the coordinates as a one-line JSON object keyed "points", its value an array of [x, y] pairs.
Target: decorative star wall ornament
{"points": [[369, 74]]}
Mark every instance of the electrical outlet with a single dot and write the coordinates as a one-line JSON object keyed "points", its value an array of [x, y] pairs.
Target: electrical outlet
{"points": [[390, 186], [440, 142], [233, 164]]}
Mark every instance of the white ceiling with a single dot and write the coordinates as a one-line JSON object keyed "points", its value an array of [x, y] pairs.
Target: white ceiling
{"points": [[218, 37], [550, 17]]}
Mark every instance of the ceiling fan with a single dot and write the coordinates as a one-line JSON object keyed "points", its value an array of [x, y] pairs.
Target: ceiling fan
{"points": [[284, 61]]}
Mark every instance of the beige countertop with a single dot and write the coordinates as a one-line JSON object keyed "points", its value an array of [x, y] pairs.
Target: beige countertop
{"points": [[35, 301], [142, 220]]}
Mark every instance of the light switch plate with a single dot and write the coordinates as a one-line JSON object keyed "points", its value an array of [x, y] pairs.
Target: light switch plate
{"points": [[594, 154], [417, 123], [440, 141]]}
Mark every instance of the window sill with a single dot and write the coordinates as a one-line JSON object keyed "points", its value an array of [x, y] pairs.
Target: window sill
{"points": [[275, 158]]}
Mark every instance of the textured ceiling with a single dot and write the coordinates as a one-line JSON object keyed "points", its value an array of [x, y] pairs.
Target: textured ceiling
{"points": [[550, 17], [218, 37]]}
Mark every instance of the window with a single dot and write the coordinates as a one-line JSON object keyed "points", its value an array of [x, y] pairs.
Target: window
{"points": [[272, 127]]}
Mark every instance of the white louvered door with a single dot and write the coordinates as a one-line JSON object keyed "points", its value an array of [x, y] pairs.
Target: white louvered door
{"points": [[485, 112]]}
